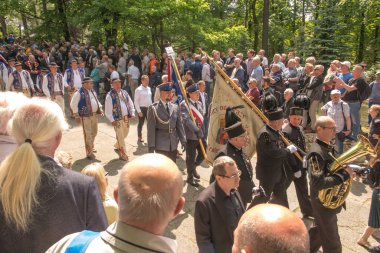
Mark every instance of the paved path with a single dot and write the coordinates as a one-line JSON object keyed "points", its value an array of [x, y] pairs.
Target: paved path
{"points": [[351, 222]]}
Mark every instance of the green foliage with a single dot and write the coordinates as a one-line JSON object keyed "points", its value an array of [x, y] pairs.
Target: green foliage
{"points": [[327, 29]]}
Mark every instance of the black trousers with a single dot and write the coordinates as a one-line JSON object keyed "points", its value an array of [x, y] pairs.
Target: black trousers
{"points": [[171, 154], [302, 192], [324, 232], [142, 119], [194, 157], [275, 192]]}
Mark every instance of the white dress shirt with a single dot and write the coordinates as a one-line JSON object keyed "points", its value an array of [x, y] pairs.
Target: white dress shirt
{"points": [[56, 87], [143, 97], [77, 81], [124, 109], [75, 101], [134, 72], [206, 73], [22, 79]]}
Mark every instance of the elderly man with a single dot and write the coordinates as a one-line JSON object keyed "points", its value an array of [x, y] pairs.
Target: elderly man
{"points": [[257, 71], [355, 88], [321, 155], [149, 195], [314, 90], [219, 208], [165, 128], [270, 228], [119, 109], [20, 81], [288, 103], [85, 106], [339, 111], [276, 78]]}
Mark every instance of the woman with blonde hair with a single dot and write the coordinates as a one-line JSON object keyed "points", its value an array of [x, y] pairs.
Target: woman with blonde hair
{"points": [[40, 202], [110, 206]]}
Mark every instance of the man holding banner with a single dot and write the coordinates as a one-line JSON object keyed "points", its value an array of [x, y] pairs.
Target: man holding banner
{"points": [[194, 132]]}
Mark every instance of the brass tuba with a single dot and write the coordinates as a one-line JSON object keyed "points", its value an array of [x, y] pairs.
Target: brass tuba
{"points": [[334, 197]]}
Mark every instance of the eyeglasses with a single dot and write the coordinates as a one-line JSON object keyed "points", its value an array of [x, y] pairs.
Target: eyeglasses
{"points": [[331, 128], [233, 176]]}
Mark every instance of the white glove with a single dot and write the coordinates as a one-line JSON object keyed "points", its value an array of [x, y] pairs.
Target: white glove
{"points": [[292, 148], [298, 174]]}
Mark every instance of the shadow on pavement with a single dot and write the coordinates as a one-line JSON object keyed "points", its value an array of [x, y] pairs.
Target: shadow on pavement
{"points": [[113, 166], [78, 165], [358, 188], [174, 224]]}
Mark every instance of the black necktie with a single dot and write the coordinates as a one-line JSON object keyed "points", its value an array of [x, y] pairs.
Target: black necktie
{"points": [[167, 108]]}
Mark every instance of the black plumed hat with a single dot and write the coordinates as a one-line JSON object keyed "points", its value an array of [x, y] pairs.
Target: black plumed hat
{"points": [[231, 117], [270, 102], [302, 101]]}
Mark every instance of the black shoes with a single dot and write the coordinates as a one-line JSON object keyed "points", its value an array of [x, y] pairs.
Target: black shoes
{"points": [[191, 181], [196, 175]]}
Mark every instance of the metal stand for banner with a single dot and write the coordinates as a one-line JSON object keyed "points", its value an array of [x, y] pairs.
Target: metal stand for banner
{"points": [[246, 99]]}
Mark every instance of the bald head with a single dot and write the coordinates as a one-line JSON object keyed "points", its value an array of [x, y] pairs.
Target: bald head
{"points": [[270, 228], [150, 192]]}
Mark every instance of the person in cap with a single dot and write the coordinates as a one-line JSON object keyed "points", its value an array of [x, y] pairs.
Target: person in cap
{"points": [[295, 171], [194, 132], [20, 81], [345, 73], [52, 86], [73, 77], [119, 109], [39, 81], [164, 126], [271, 155], [374, 98], [85, 106], [237, 139], [339, 111], [7, 70], [219, 208]]}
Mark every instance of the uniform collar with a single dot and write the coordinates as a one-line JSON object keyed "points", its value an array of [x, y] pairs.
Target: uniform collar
{"points": [[324, 144], [272, 130]]}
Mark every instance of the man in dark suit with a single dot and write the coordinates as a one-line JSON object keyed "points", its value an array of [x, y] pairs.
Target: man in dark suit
{"points": [[219, 208], [165, 128]]}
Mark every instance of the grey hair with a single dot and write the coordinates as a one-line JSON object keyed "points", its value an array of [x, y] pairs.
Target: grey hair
{"points": [[219, 165]]}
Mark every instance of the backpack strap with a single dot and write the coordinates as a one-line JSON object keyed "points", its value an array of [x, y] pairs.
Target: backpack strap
{"points": [[80, 243]]}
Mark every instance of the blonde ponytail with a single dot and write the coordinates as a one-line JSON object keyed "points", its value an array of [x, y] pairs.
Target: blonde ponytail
{"points": [[20, 175], [39, 121]]}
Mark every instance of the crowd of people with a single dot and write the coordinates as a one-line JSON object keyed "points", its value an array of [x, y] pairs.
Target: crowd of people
{"points": [[41, 202]]}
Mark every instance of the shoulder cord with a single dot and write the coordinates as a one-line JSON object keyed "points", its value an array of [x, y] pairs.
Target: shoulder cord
{"points": [[158, 118]]}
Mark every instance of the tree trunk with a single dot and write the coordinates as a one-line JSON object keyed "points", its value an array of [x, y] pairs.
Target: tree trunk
{"points": [[61, 10], [245, 13], [44, 6], [25, 25], [292, 42], [3, 24], [376, 42], [360, 54], [255, 26], [265, 26]]}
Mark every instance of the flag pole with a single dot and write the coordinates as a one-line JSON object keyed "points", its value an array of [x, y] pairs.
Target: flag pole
{"points": [[180, 84], [247, 100]]}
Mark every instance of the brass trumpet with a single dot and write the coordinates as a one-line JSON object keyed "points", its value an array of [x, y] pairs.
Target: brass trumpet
{"points": [[334, 197]]}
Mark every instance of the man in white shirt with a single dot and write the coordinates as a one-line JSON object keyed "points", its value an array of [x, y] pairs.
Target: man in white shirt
{"points": [[143, 99], [85, 106], [264, 59], [52, 86], [133, 74], [20, 81], [118, 110], [73, 77]]}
